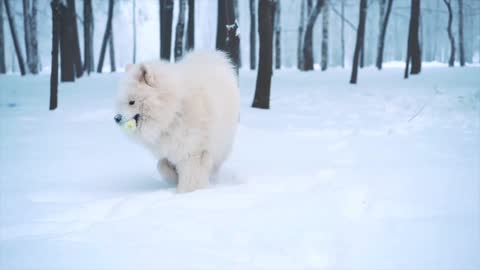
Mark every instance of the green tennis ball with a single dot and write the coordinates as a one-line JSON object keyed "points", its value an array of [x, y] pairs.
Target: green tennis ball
{"points": [[129, 126]]}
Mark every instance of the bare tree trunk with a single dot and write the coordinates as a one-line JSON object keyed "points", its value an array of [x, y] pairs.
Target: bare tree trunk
{"points": [[362, 54], [228, 39], [191, 25], [134, 25], [421, 20], [384, 17], [232, 39], [360, 40], [88, 25], [325, 26], [66, 45], [344, 21], [77, 57], [3, 67], [166, 21], [179, 32], [253, 34], [26, 31], [111, 46], [427, 35], [308, 39], [221, 30], [413, 47], [362, 50], [12, 62], [266, 12], [35, 59], [30, 35], [13, 31], [451, 61], [461, 47], [471, 38], [435, 36], [237, 32], [342, 30], [278, 37], [382, 5], [106, 36], [300, 35], [54, 65]]}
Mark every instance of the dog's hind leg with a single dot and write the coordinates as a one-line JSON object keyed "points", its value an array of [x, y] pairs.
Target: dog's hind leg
{"points": [[194, 172], [167, 171]]}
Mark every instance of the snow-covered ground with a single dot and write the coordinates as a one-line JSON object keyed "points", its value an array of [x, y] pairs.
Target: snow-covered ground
{"points": [[382, 175]]}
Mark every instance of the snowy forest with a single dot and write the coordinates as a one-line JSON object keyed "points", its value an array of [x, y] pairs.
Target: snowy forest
{"points": [[306, 34], [356, 144]]}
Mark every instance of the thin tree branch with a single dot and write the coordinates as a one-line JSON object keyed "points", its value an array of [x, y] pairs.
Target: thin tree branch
{"points": [[342, 17]]}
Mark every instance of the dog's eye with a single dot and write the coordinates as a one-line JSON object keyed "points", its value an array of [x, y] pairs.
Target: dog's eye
{"points": [[131, 102]]}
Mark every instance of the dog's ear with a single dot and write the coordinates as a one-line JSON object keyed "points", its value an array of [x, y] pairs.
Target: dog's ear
{"points": [[145, 76]]}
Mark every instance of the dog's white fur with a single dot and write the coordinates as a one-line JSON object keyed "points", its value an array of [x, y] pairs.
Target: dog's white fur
{"points": [[188, 113]]}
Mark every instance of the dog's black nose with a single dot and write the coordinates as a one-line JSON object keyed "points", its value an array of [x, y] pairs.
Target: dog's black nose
{"points": [[117, 118]]}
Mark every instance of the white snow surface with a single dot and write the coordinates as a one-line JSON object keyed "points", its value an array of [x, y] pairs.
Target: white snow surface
{"points": [[381, 175]]}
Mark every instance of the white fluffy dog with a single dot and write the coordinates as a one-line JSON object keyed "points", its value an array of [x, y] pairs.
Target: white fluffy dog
{"points": [[185, 113]]}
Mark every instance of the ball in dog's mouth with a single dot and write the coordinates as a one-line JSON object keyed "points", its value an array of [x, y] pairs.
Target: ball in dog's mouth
{"points": [[130, 125]]}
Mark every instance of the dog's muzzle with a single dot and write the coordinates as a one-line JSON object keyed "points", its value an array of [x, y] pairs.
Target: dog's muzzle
{"points": [[119, 118]]}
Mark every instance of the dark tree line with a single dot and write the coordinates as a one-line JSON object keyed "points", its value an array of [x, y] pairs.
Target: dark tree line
{"points": [[325, 27], [253, 35], [65, 34], [179, 31], [88, 28], [460, 33], [13, 31], [451, 61], [191, 26], [183, 31], [107, 36], [77, 57], [266, 13], [309, 8], [32, 64], [66, 40], [414, 54], [66, 43], [307, 50], [166, 21], [278, 36], [3, 67], [300, 35], [268, 19], [30, 35], [55, 5], [228, 38], [385, 10], [72, 65], [360, 40]]}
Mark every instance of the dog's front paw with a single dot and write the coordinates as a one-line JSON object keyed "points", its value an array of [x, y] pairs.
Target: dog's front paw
{"points": [[189, 187]]}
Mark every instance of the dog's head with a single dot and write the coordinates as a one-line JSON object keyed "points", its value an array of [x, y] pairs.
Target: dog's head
{"points": [[148, 99]]}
